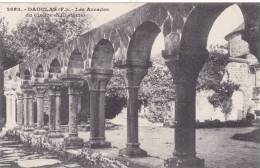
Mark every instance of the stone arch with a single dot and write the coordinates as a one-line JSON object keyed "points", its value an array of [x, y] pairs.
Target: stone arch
{"points": [[39, 72], [102, 55], [76, 62], [141, 43]]}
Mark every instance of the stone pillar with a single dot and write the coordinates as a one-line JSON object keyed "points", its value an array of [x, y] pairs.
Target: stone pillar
{"points": [[9, 113], [133, 76], [74, 84], [31, 110], [58, 109], [54, 110], [40, 90], [185, 78], [79, 105], [28, 107], [1, 89], [13, 105], [20, 109], [97, 82]]}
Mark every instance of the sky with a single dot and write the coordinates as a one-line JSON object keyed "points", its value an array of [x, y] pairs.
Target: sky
{"points": [[224, 24]]}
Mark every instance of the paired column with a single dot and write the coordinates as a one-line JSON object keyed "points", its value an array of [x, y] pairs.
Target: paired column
{"points": [[54, 110], [40, 89], [28, 107], [185, 78], [97, 82], [133, 75], [74, 84]]}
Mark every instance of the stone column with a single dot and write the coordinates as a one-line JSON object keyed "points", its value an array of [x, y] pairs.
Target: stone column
{"points": [[97, 82], [31, 110], [185, 79], [79, 105], [20, 109], [13, 105], [74, 84], [28, 107], [133, 76], [54, 110], [1, 89], [58, 109], [40, 89], [8, 121]]}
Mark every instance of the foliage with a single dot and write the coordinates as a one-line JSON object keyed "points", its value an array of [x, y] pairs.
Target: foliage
{"points": [[214, 68], [39, 34], [210, 78], [115, 95], [222, 96], [157, 86], [9, 48]]}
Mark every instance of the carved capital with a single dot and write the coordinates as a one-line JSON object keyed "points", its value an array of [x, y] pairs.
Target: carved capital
{"points": [[98, 79], [40, 89], [27, 90], [74, 87], [19, 96], [55, 87]]}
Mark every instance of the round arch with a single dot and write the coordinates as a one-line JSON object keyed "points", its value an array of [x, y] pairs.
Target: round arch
{"points": [[141, 43]]}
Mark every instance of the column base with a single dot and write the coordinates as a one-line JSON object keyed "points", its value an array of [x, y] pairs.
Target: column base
{"points": [[94, 144], [73, 142], [55, 134], [39, 132], [133, 150], [184, 163]]}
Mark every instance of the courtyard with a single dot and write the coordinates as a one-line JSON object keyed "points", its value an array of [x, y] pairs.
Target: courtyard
{"points": [[215, 145], [147, 66]]}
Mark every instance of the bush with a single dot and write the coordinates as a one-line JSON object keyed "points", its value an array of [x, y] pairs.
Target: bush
{"points": [[114, 106]]}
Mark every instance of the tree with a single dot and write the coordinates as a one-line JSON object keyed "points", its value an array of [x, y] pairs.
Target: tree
{"points": [[37, 35]]}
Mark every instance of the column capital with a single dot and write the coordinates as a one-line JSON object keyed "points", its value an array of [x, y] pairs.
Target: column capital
{"points": [[27, 89], [98, 78], [56, 86], [19, 96], [74, 87], [40, 89]]}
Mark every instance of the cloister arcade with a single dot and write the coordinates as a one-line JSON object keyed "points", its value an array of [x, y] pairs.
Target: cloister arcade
{"points": [[68, 76]]}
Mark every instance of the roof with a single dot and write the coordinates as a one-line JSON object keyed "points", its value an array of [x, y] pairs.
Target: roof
{"points": [[238, 29]]}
